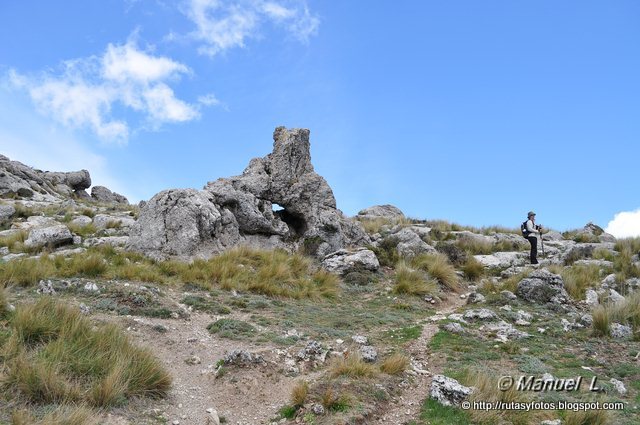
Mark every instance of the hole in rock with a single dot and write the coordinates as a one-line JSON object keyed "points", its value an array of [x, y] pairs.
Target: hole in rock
{"points": [[296, 222]]}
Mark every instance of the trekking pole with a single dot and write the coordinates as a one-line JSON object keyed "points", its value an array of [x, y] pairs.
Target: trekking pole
{"points": [[542, 241]]}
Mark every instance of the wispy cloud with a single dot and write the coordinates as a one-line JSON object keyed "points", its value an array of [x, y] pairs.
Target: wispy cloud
{"points": [[222, 25], [84, 93], [625, 224]]}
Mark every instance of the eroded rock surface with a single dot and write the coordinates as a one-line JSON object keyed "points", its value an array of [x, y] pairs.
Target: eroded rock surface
{"points": [[278, 201]]}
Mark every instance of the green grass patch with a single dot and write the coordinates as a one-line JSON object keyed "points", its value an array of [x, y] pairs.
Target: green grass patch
{"points": [[231, 328]]}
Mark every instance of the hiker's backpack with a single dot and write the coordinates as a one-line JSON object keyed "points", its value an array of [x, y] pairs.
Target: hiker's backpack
{"points": [[523, 228]]}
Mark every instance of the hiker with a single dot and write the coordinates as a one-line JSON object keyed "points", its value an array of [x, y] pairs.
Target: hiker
{"points": [[532, 232]]}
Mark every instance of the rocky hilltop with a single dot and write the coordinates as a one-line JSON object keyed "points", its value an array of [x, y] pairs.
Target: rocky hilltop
{"points": [[240, 210], [179, 310]]}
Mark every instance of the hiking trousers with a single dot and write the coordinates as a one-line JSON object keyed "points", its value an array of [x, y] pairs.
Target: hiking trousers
{"points": [[533, 240]]}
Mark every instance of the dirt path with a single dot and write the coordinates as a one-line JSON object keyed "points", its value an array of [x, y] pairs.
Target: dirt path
{"points": [[406, 406]]}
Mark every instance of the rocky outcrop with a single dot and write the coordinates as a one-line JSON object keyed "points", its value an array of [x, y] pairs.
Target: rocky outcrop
{"points": [[21, 181], [386, 211], [278, 201], [52, 236], [102, 194], [344, 261]]}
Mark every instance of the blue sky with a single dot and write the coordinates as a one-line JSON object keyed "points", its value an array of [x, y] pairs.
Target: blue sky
{"points": [[474, 112]]}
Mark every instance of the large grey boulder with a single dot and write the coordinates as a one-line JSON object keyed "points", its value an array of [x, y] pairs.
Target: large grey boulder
{"points": [[49, 236], [344, 261], [447, 391], [409, 241], [542, 287], [240, 209], [502, 260], [102, 194], [593, 230], [386, 211]]}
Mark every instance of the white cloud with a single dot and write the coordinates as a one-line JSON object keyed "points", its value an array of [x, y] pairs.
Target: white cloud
{"points": [[221, 25], [209, 100], [625, 224], [85, 92]]}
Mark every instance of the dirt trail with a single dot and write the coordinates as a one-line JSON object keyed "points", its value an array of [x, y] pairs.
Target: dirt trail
{"points": [[406, 406]]}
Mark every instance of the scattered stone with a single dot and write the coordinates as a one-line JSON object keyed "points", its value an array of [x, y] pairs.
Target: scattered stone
{"points": [[84, 309], [91, 287], [586, 320], [475, 298], [313, 351], [454, 328], [504, 331], [614, 296], [480, 314], [242, 358], [508, 295], [212, 418], [360, 339], [45, 288], [4, 250], [343, 261], [618, 386], [551, 422], [608, 281], [368, 353], [501, 260], [618, 330], [193, 360], [108, 240], [448, 391], [317, 409], [591, 297]]}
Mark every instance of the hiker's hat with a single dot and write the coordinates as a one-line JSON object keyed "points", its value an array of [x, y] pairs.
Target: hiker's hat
{"points": [[531, 214]]}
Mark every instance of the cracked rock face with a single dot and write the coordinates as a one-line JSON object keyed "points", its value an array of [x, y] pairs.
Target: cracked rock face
{"points": [[278, 201]]}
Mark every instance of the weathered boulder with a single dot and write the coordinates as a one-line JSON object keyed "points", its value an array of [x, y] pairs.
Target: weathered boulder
{"points": [[409, 242], [102, 194], [182, 223], [504, 331], [594, 231], [344, 261], [386, 211], [621, 331], [481, 314], [81, 220], [542, 287], [240, 209], [102, 221], [49, 236], [447, 391]]}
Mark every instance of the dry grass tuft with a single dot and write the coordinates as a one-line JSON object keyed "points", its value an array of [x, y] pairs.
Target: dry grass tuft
{"points": [[413, 282], [577, 279], [589, 417], [601, 321], [473, 269], [299, 393], [56, 355], [352, 366], [395, 364], [438, 267], [63, 415]]}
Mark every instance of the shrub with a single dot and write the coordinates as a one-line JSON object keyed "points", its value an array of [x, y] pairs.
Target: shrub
{"points": [[456, 255], [335, 402], [82, 230], [394, 364], [387, 251], [353, 366], [231, 328], [63, 415], [588, 417], [4, 302], [412, 282]]}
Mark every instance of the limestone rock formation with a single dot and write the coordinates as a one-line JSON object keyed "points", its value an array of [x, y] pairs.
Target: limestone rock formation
{"points": [[343, 261], [102, 194], [447, 391], [240, 210]]}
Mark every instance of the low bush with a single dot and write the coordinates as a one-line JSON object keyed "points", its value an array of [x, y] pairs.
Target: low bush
{"points": [[395, 364], [438, 267], [413, 282], [352, 366]]}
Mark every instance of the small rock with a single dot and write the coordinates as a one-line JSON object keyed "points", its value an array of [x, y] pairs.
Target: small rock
{"points": [[448, 391], [620, 331], [551, 422], [45, 288], [508, 295], [368, 353], [84, 309], [480, 314], [475, 298], [193, 360], [360, 339], [591, 297], [317, 409], [91, 287], [618, 386], [454, 328]]}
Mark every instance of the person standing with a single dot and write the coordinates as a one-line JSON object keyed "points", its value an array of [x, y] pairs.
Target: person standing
{"points": [[532, 236]]}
